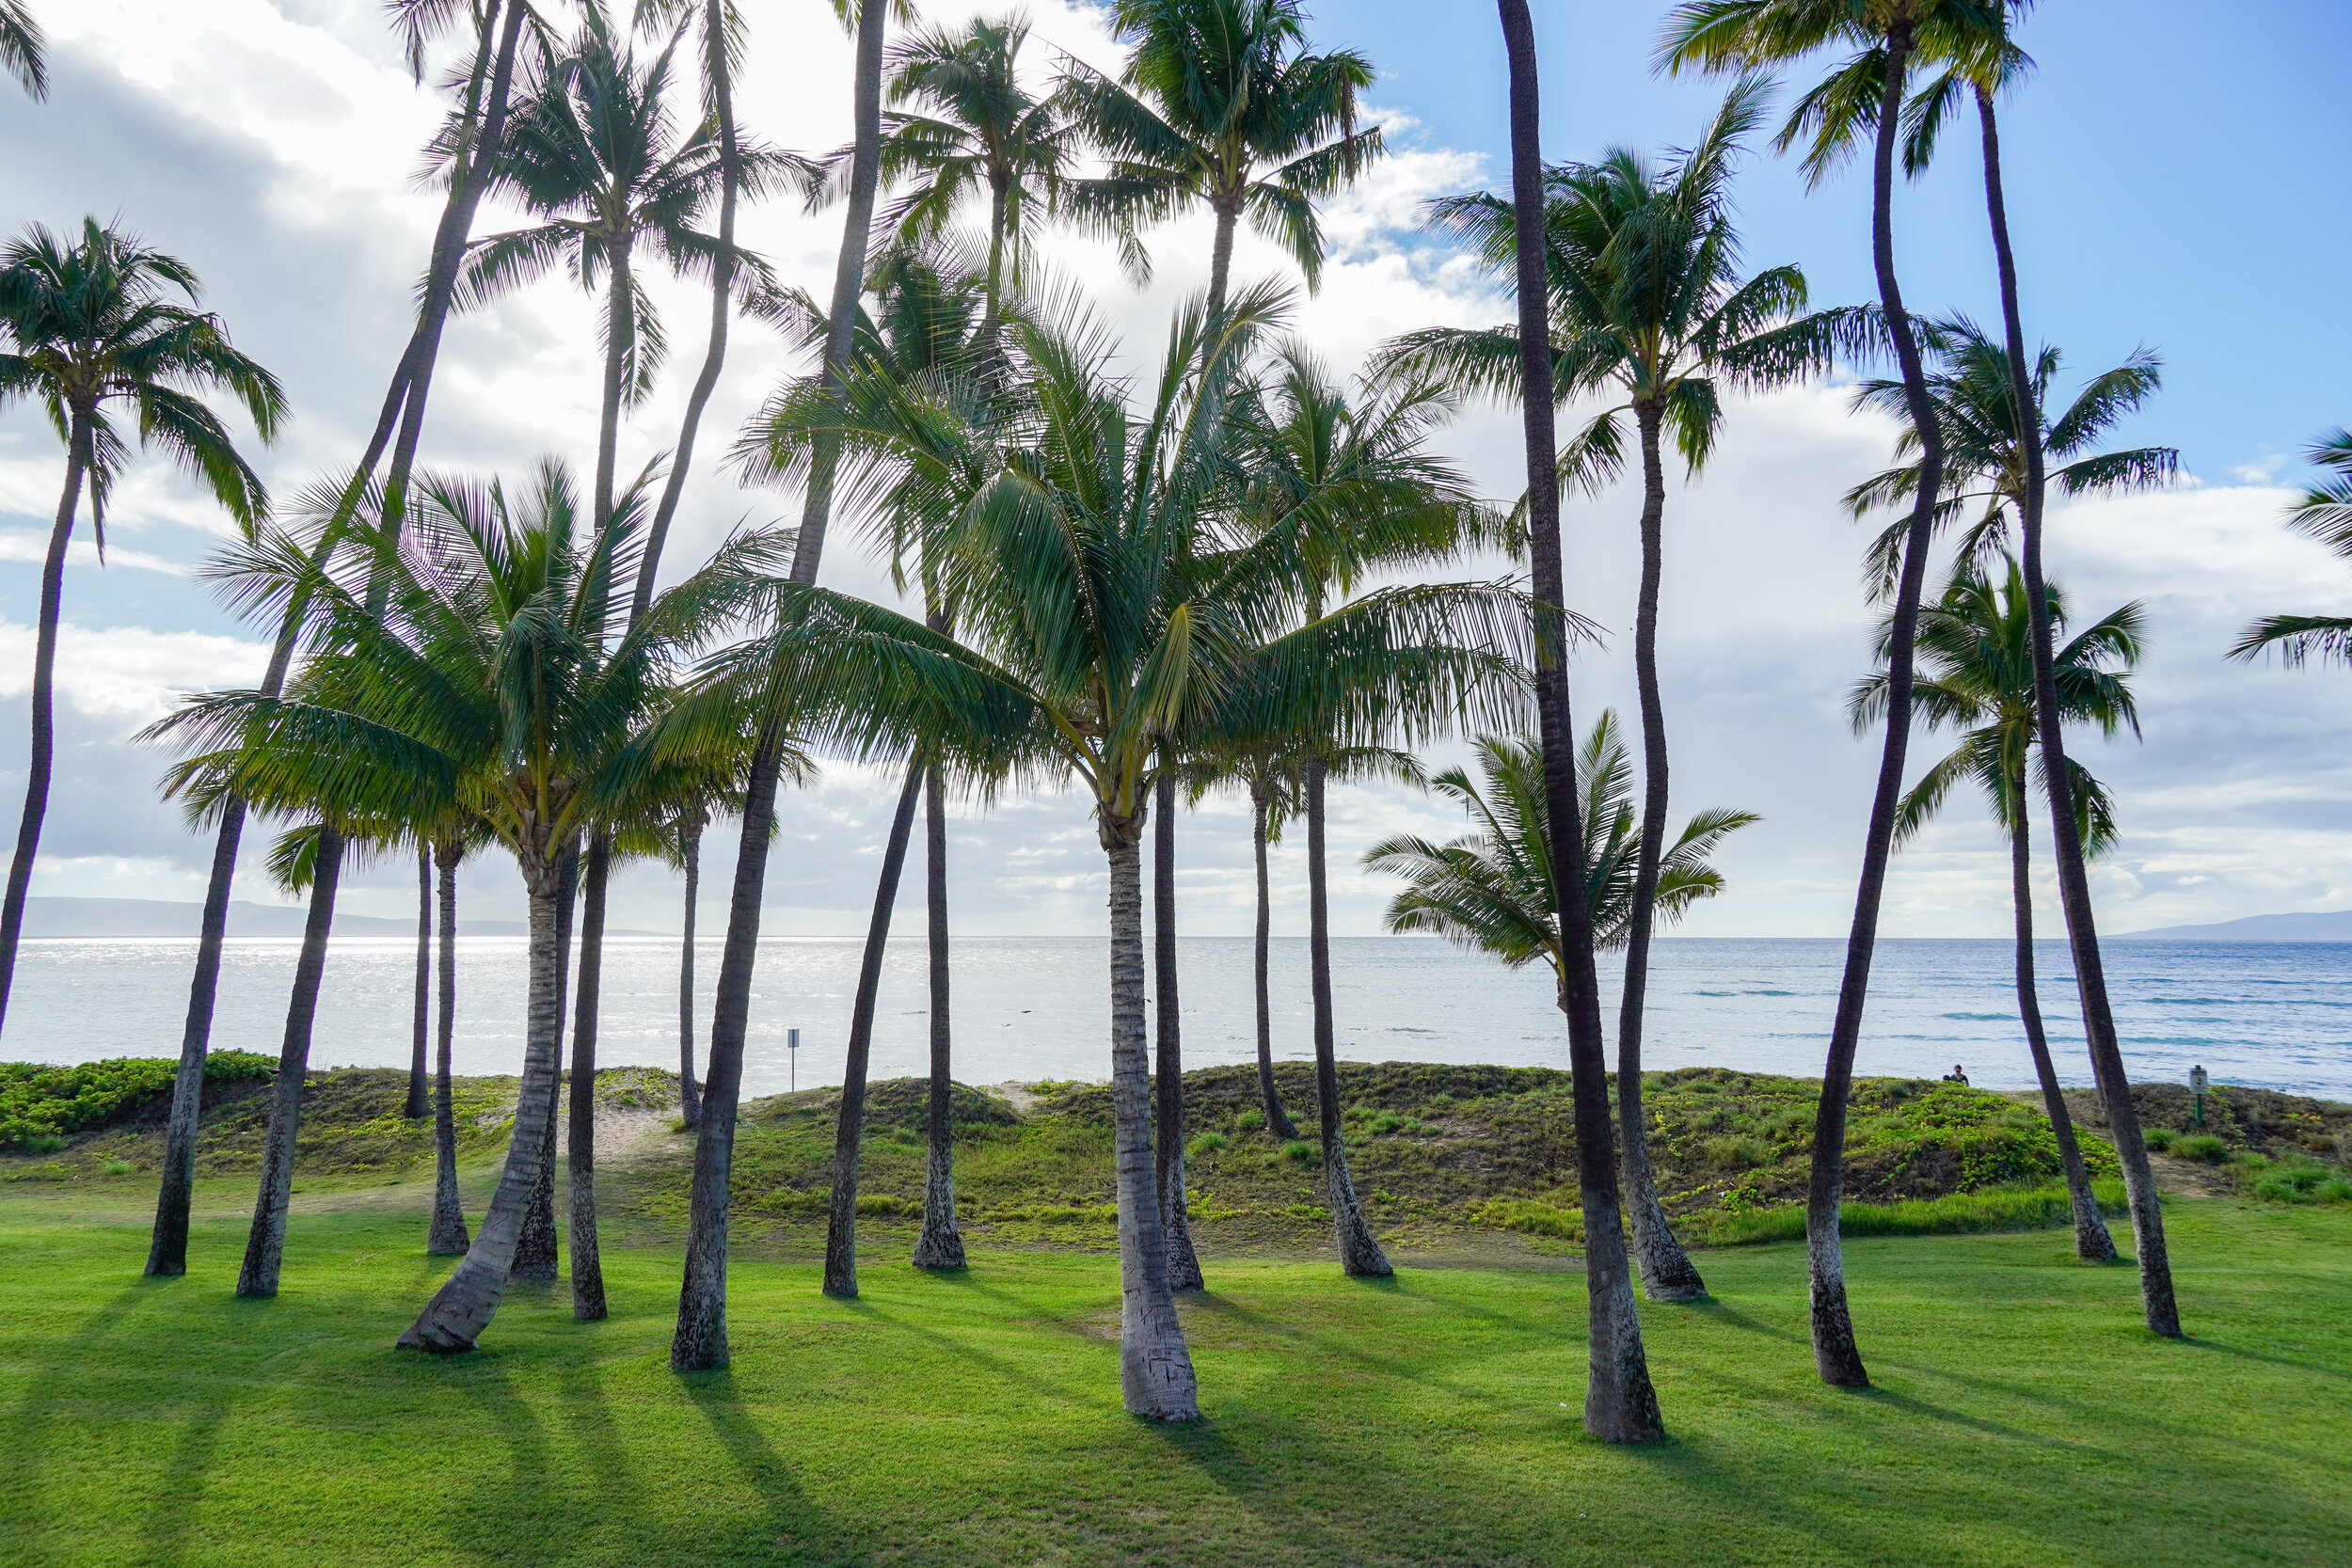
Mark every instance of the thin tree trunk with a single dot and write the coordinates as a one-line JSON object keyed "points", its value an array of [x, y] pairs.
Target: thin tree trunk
{"points": [[620, 327], [467, 1301], [722, 280], [581, 1132], [1221, 253], [700, 1341], [77, 465], [841, 1218], [1168, 1139], [265, 1244], [447, 1236], [536, 1254], [849, 277], [1667, 1272], [2092, 1241], [2107, 1058], [411, 380], [1278, 1122], [691, 851], [1155, 1376], [940, 1246], [1359, 1254], [1620, 1405], [421, 1031], [1835, 1351]]}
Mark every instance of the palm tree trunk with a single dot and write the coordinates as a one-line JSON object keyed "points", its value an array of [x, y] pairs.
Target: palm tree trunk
{"points": [[447, 1236], [535, 1256], [467, 1300], [421, 1031], [2107, 1058], [700, 1342], [1168, 1141], [1620, 1405], [1359, 1254], [2092, 1243], [1667, 1272], [1835, 1351], [77, 466], [849, 275], [621, 331], [940, 1246], [265, 1244], [841, 1218], [167, 1247], [716, 73], [580, 1150], [689, 1098], [1155, 1376], [1221, 252], [1278, 1120]]}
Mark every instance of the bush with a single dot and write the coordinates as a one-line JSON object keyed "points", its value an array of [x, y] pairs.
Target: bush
{"points": [[2302, 1181], [44, 1143], [2160, 1138], [1250, 1120], [118, 1167], [39, 1101], [1303, 1152], [2201, 1146], [1738, 1152], [1207, 1143]]}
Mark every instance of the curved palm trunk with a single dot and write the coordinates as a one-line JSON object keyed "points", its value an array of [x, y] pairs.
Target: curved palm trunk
{"points": [[1155, 1376], [1667, 1272], [2092, 1241], [1835, 1351], [77, 466], [699, 1340], [447, 1237], [941, 1245], [581, 1127], [690, 1097], [266, 1243], [1359, 1253], [714, 358], [1278, 1120], [2107, 1058], [535, 1256], [622, 329], [1168, 1142], [841, 1217], [467, 1300], [849, 277], [1620, 1405], [168, 1248], [420, 1103]]}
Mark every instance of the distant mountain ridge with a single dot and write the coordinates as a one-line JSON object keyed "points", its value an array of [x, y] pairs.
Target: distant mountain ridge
{"points": [[2334, 925], [157, 917]]}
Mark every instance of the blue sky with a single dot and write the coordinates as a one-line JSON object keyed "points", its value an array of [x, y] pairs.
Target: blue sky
{"points": [[2175, 179]]}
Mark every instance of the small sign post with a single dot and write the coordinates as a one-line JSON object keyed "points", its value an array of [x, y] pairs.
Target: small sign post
{"points": [[2196, 1082], [792, 1044]]}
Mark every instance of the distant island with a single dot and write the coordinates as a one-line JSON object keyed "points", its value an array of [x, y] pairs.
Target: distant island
{"points": [[2334, 925], [156, 917]]}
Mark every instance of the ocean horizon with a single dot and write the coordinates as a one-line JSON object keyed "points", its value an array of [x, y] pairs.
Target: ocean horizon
{"points": [[2278, 1015]]}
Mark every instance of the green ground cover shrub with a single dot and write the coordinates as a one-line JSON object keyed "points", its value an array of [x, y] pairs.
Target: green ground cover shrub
{"points": [[43, 1103]]}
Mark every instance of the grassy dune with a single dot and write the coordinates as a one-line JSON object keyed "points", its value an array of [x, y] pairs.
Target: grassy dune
{"points": [[2021, 1415]]}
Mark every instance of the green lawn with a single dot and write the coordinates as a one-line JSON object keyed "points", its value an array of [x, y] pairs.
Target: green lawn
{"points": [[2021, 1415]]}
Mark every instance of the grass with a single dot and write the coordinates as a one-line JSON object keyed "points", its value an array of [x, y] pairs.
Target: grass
{"points": [[2021, 1416]]}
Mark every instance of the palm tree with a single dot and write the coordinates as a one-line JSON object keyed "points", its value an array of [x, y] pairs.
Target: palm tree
{"points": [[420, 1031], [23, 52], [2325, 513], [447, 1237], [1985, 466], [1647, 304], [1864, 91], [480, 120], [984, 132], [1071, 532], [1490, 889], [1976, 644], [1352, 477], [1620, 1404], [1221, 103], [90, 328]]}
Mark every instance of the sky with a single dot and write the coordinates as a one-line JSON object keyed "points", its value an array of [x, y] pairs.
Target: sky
{"points": [[2175, 181]]}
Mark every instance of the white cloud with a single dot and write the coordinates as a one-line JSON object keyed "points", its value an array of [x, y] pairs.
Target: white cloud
{"points": [[129, 675]]}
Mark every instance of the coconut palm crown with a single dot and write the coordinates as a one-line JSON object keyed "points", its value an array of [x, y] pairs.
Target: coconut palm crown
{"points": [[2324, 513]]}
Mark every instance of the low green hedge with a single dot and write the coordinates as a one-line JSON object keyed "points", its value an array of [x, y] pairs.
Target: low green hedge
{"points": [[43, 1103], [1996, 1208]]}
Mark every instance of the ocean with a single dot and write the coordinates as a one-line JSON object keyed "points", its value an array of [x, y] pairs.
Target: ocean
{"points": [[2274, 1014]]}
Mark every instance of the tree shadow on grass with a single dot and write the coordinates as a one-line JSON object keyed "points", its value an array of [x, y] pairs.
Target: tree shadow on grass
{"points": [[793, 1526], [49, 1382], [1338, 1349], [180, 1488], [1000, 1365]]}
